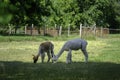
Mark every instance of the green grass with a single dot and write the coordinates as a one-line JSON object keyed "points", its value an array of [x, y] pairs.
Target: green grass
{"points": [[40, 38], [16, 60]]}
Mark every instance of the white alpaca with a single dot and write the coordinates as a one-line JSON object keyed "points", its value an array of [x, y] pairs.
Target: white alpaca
{"points": [[70, 45]]}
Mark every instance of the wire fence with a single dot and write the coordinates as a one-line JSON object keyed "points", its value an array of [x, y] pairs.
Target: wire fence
{"points": [[82, 31], [114, 31]]}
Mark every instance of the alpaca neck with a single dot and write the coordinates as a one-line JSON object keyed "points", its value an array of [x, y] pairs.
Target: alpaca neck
{"points": [[39, 51], [37, 56], [60, 52]]}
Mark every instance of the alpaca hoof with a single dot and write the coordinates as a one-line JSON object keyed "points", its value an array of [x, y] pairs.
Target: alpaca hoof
{"points": [[54, 62]]}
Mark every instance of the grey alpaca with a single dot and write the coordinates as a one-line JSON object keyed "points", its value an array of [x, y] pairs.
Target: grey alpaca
{"points": [[70, 45]]}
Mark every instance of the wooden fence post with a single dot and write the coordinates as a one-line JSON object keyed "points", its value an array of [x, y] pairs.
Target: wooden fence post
{"points": [[94, 29], [25, 29], [60, 30], [44, 31], [69, 30], [80, 30], [32, 29], [10, 30], [101, 32]]}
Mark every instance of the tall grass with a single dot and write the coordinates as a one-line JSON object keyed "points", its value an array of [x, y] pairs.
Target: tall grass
{"points": [[41, 38], [16, 60]]}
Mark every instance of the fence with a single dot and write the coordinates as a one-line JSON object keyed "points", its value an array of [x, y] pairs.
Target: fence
{"points": [[82, 31], [114, 31], [50, 32], [88, 31]]}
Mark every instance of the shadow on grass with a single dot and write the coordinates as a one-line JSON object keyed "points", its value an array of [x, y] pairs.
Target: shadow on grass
{"points": [[60, 71]]}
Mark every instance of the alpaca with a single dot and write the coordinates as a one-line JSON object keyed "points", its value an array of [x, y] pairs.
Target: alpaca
{"points": [[44, 47], [70, 45]]}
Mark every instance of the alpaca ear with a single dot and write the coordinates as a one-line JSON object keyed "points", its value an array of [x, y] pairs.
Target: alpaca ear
{"points": [[33, 55]]}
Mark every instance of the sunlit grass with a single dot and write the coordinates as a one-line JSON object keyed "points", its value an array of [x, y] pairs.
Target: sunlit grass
{"points": [[22, 51], [104, 61]]}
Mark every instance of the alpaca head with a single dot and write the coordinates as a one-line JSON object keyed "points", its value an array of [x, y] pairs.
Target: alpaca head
{"points": [[35, 58], [54, 59]]}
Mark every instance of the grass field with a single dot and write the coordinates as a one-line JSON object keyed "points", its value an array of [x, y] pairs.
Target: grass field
{"points": [[16, 60]]}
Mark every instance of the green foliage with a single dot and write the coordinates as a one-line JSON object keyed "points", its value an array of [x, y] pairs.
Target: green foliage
{"points": [[5, 15], [117, 13], [64, 12], [61, 12]]}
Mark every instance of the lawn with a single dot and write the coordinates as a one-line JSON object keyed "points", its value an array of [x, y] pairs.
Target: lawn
{"points": [[16, 60]]}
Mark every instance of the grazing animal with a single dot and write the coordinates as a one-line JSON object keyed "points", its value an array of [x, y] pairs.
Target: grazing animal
{"points": [[70, 45], [44, 47]]}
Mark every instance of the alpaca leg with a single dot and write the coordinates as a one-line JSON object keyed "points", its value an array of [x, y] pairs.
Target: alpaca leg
{"points": [[69, 57], [52, 53], [42, 57], [48, 54], [85, 54]]}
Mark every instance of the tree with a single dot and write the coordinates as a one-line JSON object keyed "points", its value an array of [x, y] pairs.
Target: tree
{"points": [[61, 12], [114, 17], [5, 14], [90, 12], [110, 12], [28, 12], [64, 12]]}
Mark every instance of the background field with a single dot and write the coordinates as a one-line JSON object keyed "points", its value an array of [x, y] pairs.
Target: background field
{"points": [[16, 59]]}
